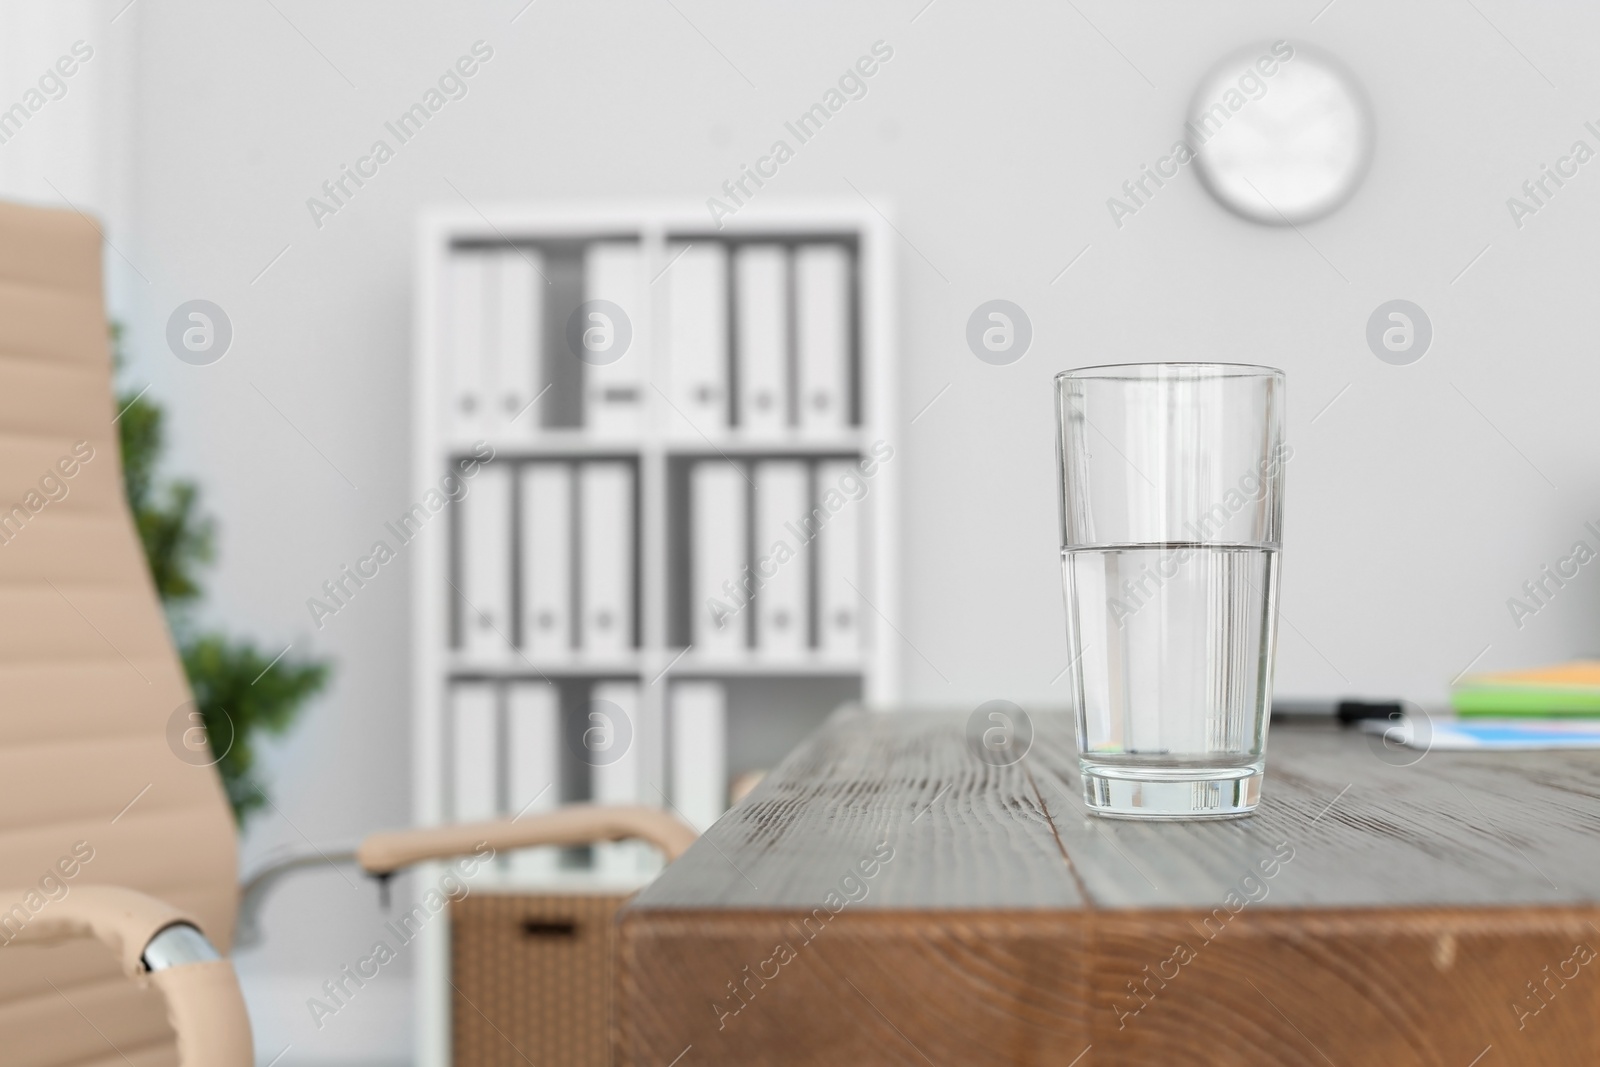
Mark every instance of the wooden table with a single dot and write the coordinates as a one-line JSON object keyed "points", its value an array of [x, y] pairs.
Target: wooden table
{"points": [[886, 897]]}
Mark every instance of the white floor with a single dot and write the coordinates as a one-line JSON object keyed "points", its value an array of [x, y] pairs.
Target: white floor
{"points": [[372, 1029]]}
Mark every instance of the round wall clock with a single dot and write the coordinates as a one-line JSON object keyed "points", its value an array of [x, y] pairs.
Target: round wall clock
{"points": [[1282, 133]]}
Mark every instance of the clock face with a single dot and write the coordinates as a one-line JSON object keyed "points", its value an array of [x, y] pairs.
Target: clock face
{"points": [[1282, 133]]}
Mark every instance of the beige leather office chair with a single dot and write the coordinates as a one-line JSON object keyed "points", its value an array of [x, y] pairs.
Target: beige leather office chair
{"points": [[120, 857]]}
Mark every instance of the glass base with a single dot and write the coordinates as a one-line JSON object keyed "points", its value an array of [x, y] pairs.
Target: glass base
{"points": [[1170, 793]]}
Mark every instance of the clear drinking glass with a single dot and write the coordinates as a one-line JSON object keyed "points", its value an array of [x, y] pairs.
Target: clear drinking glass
{"points": [[1171, 505]]}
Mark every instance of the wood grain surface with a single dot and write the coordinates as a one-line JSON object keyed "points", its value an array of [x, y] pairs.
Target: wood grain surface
{"points": [[887, 897]]}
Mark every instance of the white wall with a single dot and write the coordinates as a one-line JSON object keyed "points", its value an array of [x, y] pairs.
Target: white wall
{"points": [[1418, 502]]}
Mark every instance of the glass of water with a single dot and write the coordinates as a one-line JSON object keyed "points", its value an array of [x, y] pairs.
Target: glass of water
{"points": [[1171, 480]]}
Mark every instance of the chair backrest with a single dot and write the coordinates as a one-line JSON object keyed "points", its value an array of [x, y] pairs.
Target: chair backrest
{"points": [[92, 693]]}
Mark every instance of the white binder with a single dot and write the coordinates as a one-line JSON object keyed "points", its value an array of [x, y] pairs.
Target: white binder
{"points": [[782, 559], [469, 276], [517, 368], [533, 748], [611, 722], [697, 340], [699, 751], [614, 387], [546, 570], [606, 578], [717, 580], [822, 337], [474, 743], [485, 564], [762, 314], [837, 551]]}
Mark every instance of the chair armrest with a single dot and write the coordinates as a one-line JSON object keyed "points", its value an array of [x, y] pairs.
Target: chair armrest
{"points": [[576, 824], [201, 991], [253, 893]]}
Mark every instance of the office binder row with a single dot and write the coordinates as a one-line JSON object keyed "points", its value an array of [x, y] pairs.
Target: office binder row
{"points": [[754, 336], [772, 565], [513, 753], [546, 560]]}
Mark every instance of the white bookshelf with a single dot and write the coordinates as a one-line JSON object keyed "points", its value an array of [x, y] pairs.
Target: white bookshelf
{"points": [[661, 451]]}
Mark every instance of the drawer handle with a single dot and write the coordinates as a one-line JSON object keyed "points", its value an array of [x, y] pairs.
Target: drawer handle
{"points": [[549, 928]]}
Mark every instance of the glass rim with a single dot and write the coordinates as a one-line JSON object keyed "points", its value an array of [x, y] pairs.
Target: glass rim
{"points": [[1201, 369]]}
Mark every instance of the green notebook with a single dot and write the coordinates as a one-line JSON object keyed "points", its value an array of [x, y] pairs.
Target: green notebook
{"points": [[1565, 689]]}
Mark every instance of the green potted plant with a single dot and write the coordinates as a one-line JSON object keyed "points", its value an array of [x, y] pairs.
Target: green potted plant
{"points": [[242, 693]]}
